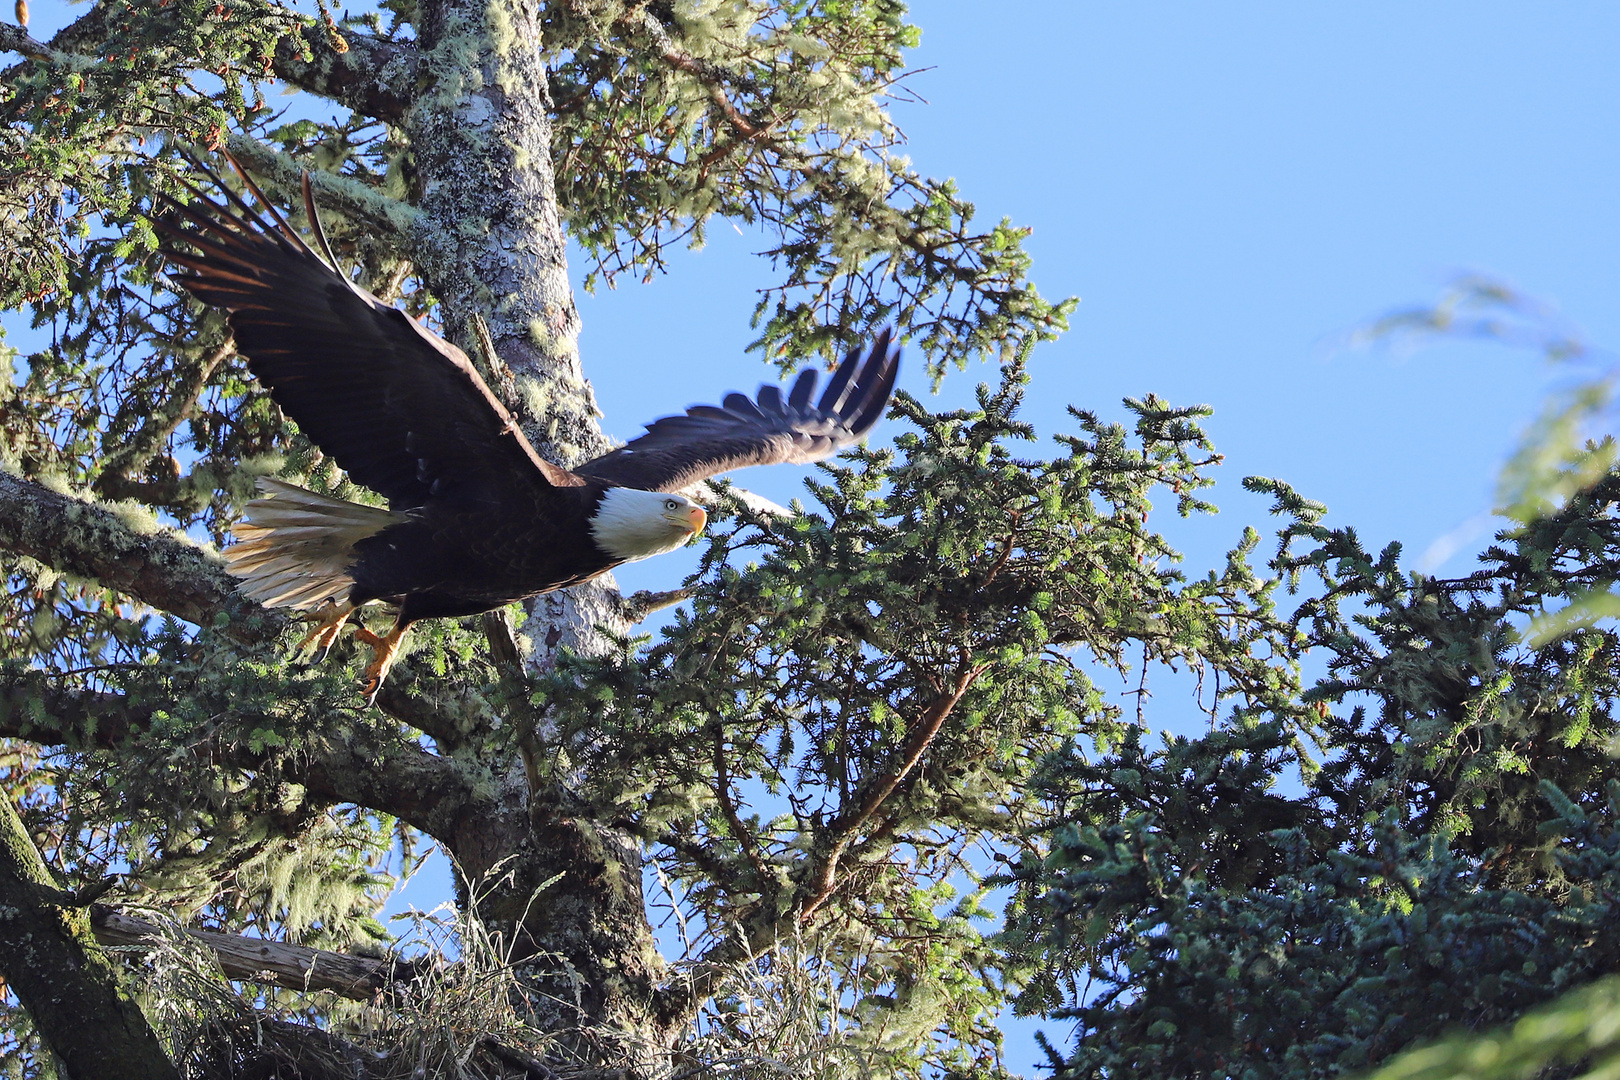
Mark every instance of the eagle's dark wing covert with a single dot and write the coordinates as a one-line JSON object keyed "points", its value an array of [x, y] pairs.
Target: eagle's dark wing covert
{"points": [[400, 409], [680, 450]]}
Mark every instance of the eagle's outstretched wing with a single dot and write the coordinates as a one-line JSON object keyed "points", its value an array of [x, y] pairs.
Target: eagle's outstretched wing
{"points": [[400, 409], [680, 450]]}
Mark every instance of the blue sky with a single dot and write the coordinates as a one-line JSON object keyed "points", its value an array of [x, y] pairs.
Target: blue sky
{"points": [[1230, 188]]}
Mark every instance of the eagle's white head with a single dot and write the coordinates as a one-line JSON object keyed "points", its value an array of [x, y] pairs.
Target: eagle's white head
{"points": [[631, 524]]}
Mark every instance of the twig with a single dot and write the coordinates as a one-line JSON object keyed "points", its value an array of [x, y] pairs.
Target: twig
{"points": [[844, 827], [639, 605], [533, 1067]]}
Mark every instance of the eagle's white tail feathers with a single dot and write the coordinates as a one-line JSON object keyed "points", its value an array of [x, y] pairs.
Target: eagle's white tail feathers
{"points": [[296, 547]]}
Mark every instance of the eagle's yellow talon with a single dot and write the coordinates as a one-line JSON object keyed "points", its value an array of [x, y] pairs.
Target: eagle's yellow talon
{"points": [[384, 649], [329, 622]]}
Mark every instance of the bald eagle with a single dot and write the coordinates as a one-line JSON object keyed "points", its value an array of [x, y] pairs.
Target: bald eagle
{"points": [[476, 518]]}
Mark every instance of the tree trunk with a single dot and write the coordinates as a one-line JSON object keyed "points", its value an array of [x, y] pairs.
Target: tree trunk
{"points": [[490, 244], [50, 960]]}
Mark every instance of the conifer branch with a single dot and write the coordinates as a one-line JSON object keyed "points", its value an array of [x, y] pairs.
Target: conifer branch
{"points": [[395, 777], [389, 219], [86, 30], [841, 831], [708, 74], [128, 553], [374, 77], [116, 480], [760, 928], [745, 839]]}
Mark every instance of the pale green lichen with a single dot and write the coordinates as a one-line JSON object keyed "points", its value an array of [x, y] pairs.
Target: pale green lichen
{"points": [[51, 480], [502, 34], [541, 337], [535, 395], [136, 518]]}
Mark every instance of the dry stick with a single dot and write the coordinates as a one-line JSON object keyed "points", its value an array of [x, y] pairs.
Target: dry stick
{"points": [[295, 967]]}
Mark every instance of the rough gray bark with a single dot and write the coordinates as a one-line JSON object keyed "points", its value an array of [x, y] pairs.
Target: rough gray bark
{"points": [[50, 961], [130, 552], [372, 76], [490, 243]]}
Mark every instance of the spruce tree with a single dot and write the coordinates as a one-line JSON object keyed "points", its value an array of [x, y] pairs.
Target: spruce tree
{"points": [[1419, 843], [171, 758], [855, 708]]}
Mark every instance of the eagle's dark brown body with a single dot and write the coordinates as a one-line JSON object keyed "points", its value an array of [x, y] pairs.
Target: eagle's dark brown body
{"points": [[454, 559], [476, 518]]}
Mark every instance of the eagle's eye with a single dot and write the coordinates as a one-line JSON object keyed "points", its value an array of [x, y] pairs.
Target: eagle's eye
{"points": [[671, 504]]}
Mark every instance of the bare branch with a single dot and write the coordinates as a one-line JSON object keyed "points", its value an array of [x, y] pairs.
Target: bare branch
{"points": [[16, 39], [639, 605], [129, 553], [276, 963], [78, 36]]}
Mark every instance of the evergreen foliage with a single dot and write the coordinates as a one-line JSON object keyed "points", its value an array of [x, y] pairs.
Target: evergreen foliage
{"points": [[1430, 845], [861, 708]]}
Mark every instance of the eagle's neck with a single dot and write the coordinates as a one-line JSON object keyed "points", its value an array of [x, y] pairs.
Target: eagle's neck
{"points": [[630, 524]]}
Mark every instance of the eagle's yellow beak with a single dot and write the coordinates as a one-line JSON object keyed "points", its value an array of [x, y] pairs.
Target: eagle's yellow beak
{"points": [[699, 518]]}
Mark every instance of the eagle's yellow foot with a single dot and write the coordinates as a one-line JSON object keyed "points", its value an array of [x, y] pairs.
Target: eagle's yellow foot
{"points": [[329, 620], [384, 649]]}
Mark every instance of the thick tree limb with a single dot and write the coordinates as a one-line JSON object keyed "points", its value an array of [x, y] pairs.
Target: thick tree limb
{"points": [[16, 39], [69, 989], [344, 766], [424, 790], [374, 77], [276, 963], [153, 565], [390, 219], [139, 558]]}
